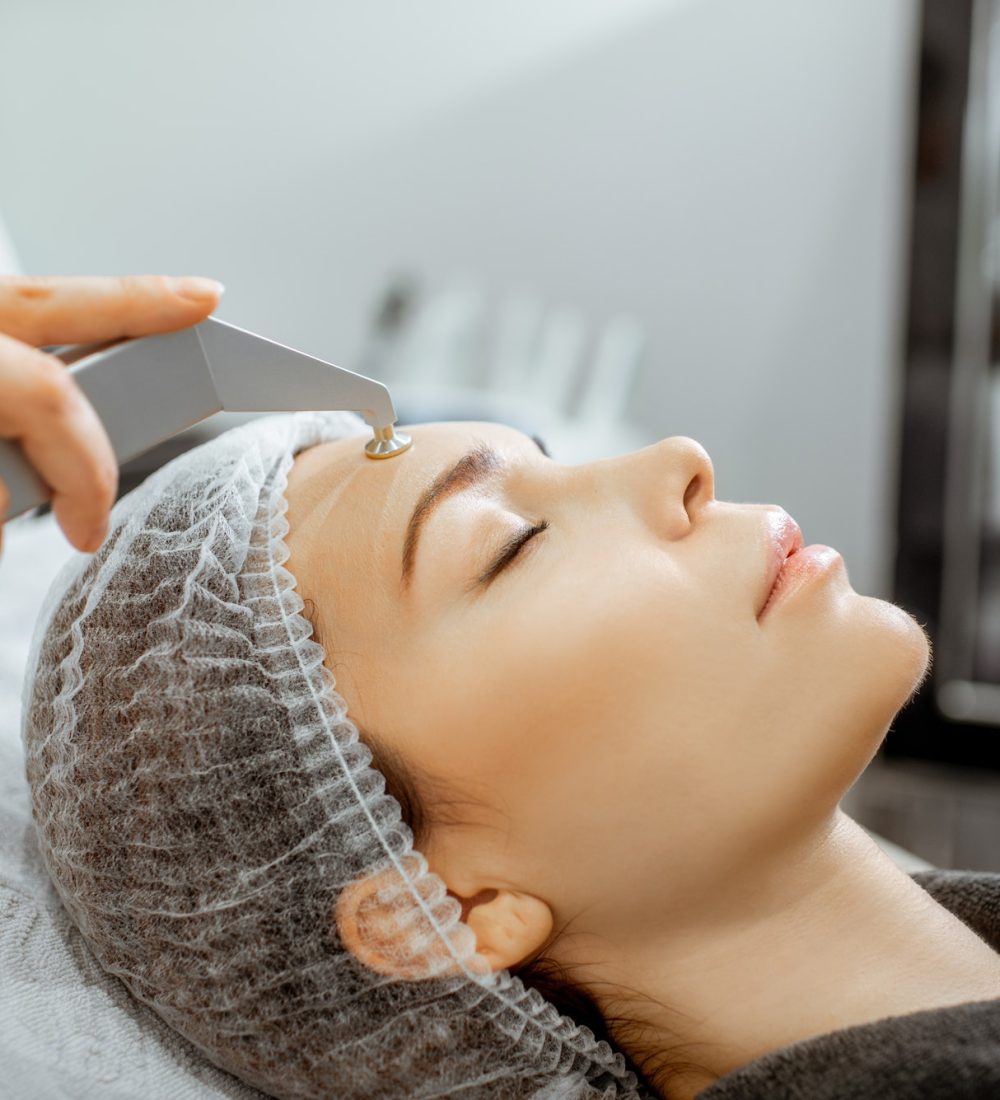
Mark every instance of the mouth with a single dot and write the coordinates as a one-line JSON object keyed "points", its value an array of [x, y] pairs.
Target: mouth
{"points": [[785, 539]]}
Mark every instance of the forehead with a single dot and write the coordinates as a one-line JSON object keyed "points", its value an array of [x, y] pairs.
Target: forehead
{"points": [[367, 490]]}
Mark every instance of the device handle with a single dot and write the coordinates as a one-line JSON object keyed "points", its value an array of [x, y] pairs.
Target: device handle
{"points": [[139, 404]]}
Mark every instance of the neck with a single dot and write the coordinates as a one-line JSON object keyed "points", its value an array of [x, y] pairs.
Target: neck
{"points": [[831, 935]]}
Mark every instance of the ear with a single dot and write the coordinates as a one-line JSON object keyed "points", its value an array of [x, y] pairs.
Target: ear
{"points": [[510, 927], [507, 927]]}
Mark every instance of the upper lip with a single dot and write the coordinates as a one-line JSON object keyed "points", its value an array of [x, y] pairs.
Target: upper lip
{"points": [[783, 538]]}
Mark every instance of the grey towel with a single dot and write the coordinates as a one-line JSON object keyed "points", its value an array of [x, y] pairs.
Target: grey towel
{"points": [[941, 1054]]}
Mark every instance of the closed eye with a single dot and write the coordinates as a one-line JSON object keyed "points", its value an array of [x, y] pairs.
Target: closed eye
{"points": [[509, 552]]}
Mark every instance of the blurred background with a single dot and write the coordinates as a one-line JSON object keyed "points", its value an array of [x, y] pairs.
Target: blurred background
{"points": [[770, 226]]}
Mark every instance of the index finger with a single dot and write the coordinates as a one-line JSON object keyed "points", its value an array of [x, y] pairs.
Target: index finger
{"points": [[45, 411], [84, 309]]}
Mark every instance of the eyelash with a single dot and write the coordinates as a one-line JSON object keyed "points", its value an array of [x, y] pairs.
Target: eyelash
{"points": [[510, 551]]}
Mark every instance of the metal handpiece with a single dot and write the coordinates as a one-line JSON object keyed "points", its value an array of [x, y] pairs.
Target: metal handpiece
{"points": [[151, 388]]}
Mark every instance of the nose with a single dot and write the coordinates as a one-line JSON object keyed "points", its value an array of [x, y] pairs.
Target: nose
{"points": [[667, 483]]}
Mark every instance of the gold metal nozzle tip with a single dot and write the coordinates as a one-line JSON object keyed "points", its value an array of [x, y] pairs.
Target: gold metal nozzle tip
{"points": [[387, 443]]}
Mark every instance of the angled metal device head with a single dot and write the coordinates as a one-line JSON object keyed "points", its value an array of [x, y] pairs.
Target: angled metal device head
{"points": [[149, 389]]}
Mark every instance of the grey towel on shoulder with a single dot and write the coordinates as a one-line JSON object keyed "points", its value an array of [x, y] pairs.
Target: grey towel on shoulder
{"points": [[941, 1054]]}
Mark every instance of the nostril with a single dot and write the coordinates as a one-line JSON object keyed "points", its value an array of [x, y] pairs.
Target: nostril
{"points": [[692, 490]]}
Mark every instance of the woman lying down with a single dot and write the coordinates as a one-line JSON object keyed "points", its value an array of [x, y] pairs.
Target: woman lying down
{"points": [[472, 774]]}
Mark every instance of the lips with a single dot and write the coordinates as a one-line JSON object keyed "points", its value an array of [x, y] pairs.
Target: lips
{"points": [[784, 538]]}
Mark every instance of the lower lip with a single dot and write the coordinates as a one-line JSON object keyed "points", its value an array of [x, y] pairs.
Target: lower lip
{"points": [[799, 570]]}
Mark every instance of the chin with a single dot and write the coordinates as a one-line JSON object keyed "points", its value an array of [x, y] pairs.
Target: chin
{"points": [[904, 651], [890, 656]]}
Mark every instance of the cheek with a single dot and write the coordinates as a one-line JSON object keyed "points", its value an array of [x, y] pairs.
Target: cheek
{"points": [[561, 685]]}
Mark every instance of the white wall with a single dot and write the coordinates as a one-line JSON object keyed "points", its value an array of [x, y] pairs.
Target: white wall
{"points": [[732, 172]]}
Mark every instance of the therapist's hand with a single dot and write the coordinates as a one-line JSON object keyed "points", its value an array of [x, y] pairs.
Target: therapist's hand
{"points": [[44, 410]]}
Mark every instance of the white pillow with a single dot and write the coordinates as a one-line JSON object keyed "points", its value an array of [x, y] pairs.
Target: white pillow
{"points": [[67, 1029]]}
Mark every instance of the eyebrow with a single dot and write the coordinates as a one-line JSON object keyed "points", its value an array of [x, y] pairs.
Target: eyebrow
{"points": [[475, 467]]}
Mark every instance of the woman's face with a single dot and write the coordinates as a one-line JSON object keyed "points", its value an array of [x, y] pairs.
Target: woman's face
{"points": [[610, 702]]}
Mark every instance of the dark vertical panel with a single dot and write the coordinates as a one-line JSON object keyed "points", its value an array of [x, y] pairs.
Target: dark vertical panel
{"points": [[920, 730]]}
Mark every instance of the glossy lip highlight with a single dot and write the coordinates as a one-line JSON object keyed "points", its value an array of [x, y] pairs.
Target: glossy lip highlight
{"points": [[784, 537]]}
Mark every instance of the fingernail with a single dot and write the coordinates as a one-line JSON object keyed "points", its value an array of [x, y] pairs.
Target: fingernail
{"points": [[197, 288]]}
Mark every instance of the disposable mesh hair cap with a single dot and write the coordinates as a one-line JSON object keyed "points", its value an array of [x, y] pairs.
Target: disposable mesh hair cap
{"points": [[202, 799]]}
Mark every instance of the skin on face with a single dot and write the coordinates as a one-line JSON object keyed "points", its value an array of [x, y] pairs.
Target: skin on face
{"points": [[635, 742]]}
